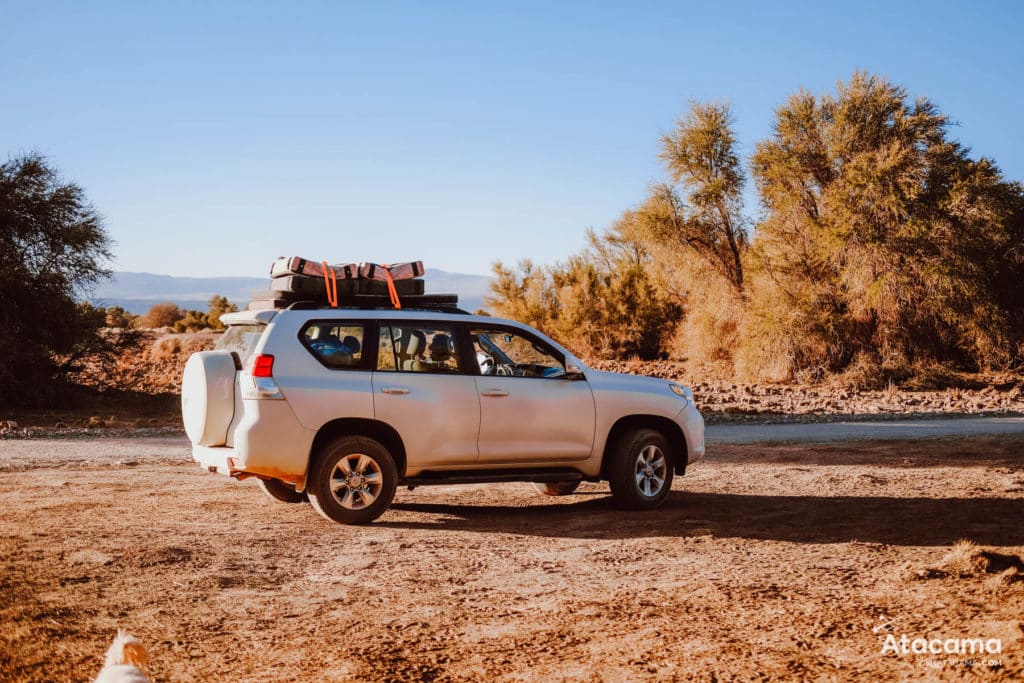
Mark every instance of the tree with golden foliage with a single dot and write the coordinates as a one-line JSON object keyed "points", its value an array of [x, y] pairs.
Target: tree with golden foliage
{"points": [[884, 243], [219, 305], [694, 231], [700, 155], [885, 249]]}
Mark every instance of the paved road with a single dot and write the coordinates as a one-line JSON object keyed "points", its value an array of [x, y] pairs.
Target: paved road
{"points": [[861, 431], [17, 453]]}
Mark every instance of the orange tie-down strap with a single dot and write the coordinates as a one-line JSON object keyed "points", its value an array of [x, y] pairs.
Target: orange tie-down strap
{"points": [[330, 284], [391, 289]]}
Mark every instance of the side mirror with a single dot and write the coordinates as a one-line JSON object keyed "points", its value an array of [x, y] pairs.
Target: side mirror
{"points": [[573, 371]]}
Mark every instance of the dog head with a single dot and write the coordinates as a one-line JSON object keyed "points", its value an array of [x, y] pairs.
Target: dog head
{"points": [[126, 649]]}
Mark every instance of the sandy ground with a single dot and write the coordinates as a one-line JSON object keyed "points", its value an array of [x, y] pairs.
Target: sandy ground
{"points": [[768, 562]]}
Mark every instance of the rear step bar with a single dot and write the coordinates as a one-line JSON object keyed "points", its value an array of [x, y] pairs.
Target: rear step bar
{"points": [[489, 477]]}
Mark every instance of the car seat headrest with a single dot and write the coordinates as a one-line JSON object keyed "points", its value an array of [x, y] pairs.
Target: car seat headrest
{"points": [[441, 347], [410, 343]]}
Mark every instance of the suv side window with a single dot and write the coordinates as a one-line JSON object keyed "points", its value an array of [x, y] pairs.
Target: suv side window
{"points": [[418, 347], [511, 353], [386, 350], [338, 344]]}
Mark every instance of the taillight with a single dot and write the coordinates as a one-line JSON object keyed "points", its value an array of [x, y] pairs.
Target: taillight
{"points": [[263, 366], [261, 382]]}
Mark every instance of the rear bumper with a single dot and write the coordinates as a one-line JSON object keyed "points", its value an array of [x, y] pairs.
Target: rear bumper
{"points": [[268, 443], [214, 458]]}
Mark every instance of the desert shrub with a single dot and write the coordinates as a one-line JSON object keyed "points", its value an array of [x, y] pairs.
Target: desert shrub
{"points": [[708, 331], [165, 348], [162, 315], [193, 322], [524, 293], [117, 317], [610, 308], [601, 303], [778, 342]]}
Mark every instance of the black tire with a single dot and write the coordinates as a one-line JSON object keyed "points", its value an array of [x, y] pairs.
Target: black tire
{"points": [[557, 488], [363, 475], [639, 460], [280, 491]]}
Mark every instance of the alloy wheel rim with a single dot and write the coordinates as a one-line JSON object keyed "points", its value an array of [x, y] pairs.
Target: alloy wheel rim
{"points": [[356, 481], [650, 471]]}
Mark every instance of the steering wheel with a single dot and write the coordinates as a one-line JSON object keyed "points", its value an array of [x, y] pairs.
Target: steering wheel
{"points": [[505, 370]]}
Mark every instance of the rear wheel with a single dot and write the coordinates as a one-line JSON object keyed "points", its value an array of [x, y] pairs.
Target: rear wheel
{"points": [[354, 480], [278, 490], [639, 470], [557, 488]]}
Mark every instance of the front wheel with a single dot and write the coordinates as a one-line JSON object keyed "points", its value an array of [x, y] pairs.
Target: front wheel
{"points": [[639, 470], [354, 480]]}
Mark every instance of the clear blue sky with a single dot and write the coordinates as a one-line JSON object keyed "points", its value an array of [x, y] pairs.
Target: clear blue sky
{"points": [[215, 136]]}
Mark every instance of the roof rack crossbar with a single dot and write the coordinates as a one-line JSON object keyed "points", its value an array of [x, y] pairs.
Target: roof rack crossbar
{"points": [[446, 303]]}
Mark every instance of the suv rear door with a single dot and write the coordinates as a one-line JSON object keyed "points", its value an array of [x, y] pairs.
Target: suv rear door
{"points": [[422, 389]]}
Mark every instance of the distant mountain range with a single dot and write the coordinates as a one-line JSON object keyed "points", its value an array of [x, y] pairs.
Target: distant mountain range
{"points": [[137, 292]]}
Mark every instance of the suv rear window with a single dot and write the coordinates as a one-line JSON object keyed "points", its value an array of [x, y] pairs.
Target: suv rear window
{"points": [[336, 344], [241, 339], [418, 347]]}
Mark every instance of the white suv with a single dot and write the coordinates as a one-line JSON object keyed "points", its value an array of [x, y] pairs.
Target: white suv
{"points": [[339, 406]]}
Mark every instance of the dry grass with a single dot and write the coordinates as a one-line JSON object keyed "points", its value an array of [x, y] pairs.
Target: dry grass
{"points": [[938, 376], [1005, 578], [968, 560], [634, 364], [965, 559]]}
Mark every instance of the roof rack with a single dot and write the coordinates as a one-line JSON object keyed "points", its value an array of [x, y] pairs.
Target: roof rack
{"points": [[442, 303]]}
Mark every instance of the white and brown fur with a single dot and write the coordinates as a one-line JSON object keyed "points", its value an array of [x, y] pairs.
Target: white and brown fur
{"points": [[126, 661]]}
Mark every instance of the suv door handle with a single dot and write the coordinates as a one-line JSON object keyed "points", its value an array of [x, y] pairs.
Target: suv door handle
{"points": [[394, 390], [494, 392]]}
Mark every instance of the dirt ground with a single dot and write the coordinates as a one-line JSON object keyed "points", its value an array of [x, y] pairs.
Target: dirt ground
{"points": [[767, 563]]}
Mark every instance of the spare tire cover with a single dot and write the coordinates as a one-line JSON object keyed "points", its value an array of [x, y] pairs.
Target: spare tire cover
{"points": [[208, 397]]}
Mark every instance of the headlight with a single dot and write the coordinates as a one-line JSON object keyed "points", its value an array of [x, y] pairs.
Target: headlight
{"points": [[681, 391]]}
